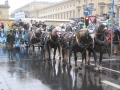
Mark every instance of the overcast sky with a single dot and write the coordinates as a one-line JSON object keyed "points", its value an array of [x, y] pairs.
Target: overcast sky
{"points": [[14, 4]]}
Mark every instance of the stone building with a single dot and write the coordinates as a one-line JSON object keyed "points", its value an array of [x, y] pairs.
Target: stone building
{"points": [[75, 8], [4, 12], [31, 8], [67, 9]]}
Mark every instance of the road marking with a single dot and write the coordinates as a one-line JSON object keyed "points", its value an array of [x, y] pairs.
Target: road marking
{"points": [[102, 59], [111, 84], [107, 69]]}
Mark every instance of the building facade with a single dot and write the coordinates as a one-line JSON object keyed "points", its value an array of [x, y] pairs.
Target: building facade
{"points": [[4, 12], [67, 9], [31, 8], [75, 8]]}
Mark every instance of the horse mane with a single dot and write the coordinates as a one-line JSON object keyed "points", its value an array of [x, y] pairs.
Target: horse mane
{"points": [[81, 35], [54, 32], [101, 27]]}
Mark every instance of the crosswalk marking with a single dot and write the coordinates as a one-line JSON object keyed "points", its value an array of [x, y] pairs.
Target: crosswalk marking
{"points": [[111, 84]]}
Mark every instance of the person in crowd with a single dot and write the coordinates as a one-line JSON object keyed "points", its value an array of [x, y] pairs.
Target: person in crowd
{"points": [[115, 42], [10, 40], [15, 29], [109, 41], [20, 22], [30, 25], [26, 26], [1, 31], [2, 26], [21, 31], [39, 24], [43, 25]]}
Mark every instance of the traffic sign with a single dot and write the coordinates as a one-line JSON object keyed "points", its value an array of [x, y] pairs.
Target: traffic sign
{"points": [[92, 18], [92, 9], [86, 12]]}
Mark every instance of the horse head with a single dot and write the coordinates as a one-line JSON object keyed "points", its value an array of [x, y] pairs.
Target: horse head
{"points": [[83, 38], [101, 32], [54, 36], [38, 32]]}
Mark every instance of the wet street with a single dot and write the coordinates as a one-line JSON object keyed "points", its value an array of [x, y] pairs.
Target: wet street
{"points": [[23, 71]]}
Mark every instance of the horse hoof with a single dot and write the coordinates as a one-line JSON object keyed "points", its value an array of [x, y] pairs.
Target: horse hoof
{"points": [[64, 65], [100, 68], [59, 58], [80, 68], [70, 66], [54, 62], [76, 70], [96, 68]]}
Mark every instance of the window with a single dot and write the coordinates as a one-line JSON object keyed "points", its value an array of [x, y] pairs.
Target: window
{"points": [[101, 10]]}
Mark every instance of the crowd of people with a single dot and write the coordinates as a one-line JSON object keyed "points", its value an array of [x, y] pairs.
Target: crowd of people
{"points": [[19, 30]]}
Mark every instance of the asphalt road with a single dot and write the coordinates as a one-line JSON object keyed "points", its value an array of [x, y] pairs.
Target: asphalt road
{"points": [[23, 71]]}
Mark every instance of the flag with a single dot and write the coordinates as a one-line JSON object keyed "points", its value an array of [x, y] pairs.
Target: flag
{"points": [[112, 5]]}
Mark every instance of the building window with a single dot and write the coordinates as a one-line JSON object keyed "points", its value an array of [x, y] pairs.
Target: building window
{"points": [[67, 16], [74, 13], [64, 15], [101, 10]]}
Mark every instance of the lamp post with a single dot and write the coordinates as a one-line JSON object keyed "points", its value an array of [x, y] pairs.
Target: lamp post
{"points": [[112, 12], [86, 3]]}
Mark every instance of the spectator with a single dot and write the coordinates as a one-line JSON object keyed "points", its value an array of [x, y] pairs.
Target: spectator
{"points": [[0, 31], [2, 25], [15, 29], [115, 42], [109, 42], [10, 40]]}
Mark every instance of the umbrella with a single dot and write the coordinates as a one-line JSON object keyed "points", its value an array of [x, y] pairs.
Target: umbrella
{"points": [[2, 22]]}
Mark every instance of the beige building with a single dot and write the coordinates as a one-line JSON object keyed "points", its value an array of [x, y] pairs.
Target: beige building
{"points": [[67, 9], [31, 8], [4, 12], [75, 8]]}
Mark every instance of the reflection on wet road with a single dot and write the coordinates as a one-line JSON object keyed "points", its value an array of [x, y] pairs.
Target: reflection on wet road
{"points": [[21, 71]]}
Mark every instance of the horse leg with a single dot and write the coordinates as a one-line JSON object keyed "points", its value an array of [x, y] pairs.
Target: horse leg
{"points": [[89, 54], [75, 58], [59, 49], [95, 58], [49, 52], [70, 54], [82, 61], [54, 53], [100, 61]]}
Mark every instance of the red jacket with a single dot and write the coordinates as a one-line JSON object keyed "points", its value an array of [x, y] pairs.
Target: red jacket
{"points": [[109, 38]]}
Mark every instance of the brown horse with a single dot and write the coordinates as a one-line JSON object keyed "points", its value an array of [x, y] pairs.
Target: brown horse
{"points": [[100, 46], [51, 40], [80, 43], [65, 39], [33, 38]]}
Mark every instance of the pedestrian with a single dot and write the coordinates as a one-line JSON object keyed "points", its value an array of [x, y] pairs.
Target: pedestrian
{"points": [[15, 30], [0, 31], [109, 42], [2, 25], [10, 40], [115, 42]]}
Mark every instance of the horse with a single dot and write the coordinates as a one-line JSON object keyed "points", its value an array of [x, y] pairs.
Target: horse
{"points": [[100, 46], [79, 43], [33, 38], [50, 28], [51, 40], [65, 38]]}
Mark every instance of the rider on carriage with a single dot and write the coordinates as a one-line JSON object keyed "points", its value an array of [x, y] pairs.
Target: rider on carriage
{"points": [[92, 27]]}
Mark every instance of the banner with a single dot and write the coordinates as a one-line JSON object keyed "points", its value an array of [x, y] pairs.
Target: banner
{"points": [[19, 15], [112, 5]]}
